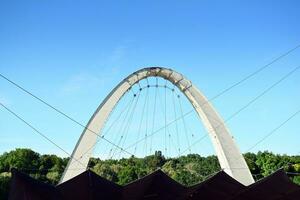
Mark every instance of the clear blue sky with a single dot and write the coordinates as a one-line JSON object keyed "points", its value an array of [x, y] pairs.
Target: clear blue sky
{"points": [[72, 53]]}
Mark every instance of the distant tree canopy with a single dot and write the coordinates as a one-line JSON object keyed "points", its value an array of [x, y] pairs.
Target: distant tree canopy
{"points": [[188, 170]]}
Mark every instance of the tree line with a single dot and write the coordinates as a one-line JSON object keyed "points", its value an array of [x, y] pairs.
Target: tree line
{"points": [[188, 169]]}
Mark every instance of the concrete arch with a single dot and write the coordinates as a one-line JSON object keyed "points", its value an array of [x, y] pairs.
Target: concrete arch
{"points": [[229, 156]]}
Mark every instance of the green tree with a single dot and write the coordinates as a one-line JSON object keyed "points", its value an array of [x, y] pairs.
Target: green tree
{"points": [[184, 177], [269, 162], [127, 175], [155, 161], [22, 159], [104, 170], [188, 170], [53, 177], [296, 179]]}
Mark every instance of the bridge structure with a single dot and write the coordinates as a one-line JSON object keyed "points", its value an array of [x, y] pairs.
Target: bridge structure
{"points": [[229, 156]]}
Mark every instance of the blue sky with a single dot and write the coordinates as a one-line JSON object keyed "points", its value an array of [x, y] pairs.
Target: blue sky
{"points": [[72, 53]]}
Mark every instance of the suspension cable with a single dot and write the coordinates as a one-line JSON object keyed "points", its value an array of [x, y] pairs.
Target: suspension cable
{"points": [[125, 119], [121, 113], [128, 124], [57, 110], [264, 92], [176, 124], [153, 119], [274, 130], [255, 72], [184, 123], [141, 119], [257, 97], [241, 109], [126, 108], [165, 127], [216, 96], [38, 132], [123, 122], [147, 111], [165, 108]]}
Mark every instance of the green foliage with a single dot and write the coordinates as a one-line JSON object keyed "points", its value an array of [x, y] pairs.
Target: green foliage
{"points": [[269, 162], [20, 159], [127, 175], [106, 171], [296, 167], [188, 170], [296, 179], [51, 162], [191, 169], [53, 177]]}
